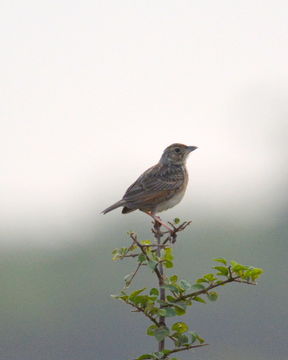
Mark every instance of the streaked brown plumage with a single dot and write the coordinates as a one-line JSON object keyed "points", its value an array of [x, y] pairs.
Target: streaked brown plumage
{"points": [[160, 187]]}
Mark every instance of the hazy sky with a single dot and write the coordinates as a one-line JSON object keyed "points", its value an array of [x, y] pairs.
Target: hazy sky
{"points": [[93, 91]]}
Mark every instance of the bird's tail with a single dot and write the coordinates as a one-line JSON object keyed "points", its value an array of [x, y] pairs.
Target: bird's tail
{"points": [[114, 206]]}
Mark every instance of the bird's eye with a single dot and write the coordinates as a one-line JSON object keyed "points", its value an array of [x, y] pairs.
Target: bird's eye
{"points": [[177, 150]]}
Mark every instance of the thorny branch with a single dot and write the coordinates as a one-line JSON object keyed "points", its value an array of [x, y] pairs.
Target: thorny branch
{"points": [[139, 309], [188, 347], [155, 254], [133, 236], [213, 286], [128, 282], [172, 235]]}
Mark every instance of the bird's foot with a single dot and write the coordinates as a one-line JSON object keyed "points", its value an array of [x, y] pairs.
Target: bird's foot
{"points": [[161, 222]]}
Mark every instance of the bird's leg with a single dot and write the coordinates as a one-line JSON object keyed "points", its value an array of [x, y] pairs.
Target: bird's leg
{"points": [[158, 219]]}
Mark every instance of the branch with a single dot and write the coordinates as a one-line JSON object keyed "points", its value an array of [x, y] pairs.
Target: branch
{"points": [[139, 309], [188, 347], [159, 255], [213, 286], [173, 234], [142, 248], [128, 282], [158, 235], [130, 255]]}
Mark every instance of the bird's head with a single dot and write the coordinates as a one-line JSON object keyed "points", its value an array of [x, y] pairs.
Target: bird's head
{"points": [[176, 154]]}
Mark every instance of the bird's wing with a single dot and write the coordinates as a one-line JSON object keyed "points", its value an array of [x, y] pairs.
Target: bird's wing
{"points": [[156, 183]]}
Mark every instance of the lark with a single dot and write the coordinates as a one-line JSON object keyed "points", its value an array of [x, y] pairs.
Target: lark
{"points": [[159, 188]]}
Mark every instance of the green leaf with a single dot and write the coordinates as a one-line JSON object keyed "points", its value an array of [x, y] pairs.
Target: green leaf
{"points": [[151, 330], [127, 277], [212, 296], [170, 312], [181, 340], [161, 332], [256, 272], [141, 299], [180, 311], [176, 220], [116, 254], [115, 296], [135, 293], [154, 291], [222, 270], [209, 277], [180, 327], [166, 351], [168, 264], [193, 337], [171, 298], [173, 278], [181, 304], [236, 267], [145, 356], [152, 264], [199, 299], [200, 339], [123, 251], [172, 288], [233, 262], [197, 337], [141, 257], [146, 242], [120, 297], [167, 312], [239, 268], [168, 254], [198, 287], [221, 260], [201, 280], [158, 355], [185, 285], [162, 312]]}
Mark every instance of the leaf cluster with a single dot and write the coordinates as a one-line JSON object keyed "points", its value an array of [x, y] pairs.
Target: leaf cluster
{"points": [[180, 294]]}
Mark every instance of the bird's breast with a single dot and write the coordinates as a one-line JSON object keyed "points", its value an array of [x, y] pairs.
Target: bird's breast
{"points": [[174, 200]]}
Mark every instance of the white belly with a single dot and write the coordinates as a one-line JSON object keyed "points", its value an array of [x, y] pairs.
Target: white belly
{"points": [[168, 204]]}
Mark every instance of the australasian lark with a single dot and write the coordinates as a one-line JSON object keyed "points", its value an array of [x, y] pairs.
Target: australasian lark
{"points": [[160, 187]]}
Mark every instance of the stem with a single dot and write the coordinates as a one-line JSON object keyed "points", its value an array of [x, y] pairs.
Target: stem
{"points": [[142, 248], [188, 347], [213, 286], [139, 309], [158, 235], [128, 282]]}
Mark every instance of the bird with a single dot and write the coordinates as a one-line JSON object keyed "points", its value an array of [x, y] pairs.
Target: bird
{"points": [[159, 188]]}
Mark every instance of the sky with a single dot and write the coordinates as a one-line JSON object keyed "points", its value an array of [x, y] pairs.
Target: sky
{"points": [[92, 92]]}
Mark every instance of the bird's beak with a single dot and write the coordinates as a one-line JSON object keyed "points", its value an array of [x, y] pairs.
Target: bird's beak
{"points": [[191, 148]]}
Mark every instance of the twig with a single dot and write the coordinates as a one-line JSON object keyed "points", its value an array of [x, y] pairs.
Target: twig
{"points": [[130, 255], [188, 347], [213, 286], [128, 283], [158, 235], [245, 282], [173, 235], [142, 248], [143, 311]]}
